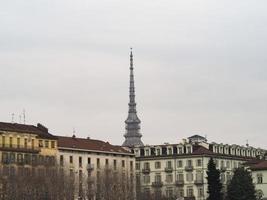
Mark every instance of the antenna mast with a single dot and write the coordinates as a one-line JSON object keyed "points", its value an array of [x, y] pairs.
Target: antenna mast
{"points": [[24, 116]]}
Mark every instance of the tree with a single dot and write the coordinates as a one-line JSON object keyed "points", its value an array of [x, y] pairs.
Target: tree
{"points": [[214, 182], [241, 186]]}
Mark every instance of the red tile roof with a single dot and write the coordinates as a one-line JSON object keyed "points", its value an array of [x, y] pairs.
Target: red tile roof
{"points": [[89, 144], [39, 130], [200, 150], [260, 165]]}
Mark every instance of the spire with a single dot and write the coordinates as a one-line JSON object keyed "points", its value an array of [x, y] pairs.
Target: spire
{"points": [[133, 135]]}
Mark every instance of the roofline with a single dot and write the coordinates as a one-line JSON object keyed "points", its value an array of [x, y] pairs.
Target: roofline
{"points": [[97, 151]]}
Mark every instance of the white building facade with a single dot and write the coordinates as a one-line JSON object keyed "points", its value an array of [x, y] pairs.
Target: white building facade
{"points": [[89, 159], [179, 170]]}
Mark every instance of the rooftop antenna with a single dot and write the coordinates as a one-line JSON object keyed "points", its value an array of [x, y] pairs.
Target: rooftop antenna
{"points": [[24, 116], [12, 117], [73, 132], [20, 119]]}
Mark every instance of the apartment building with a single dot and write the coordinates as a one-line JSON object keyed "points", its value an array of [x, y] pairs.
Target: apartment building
{"points": [[85, 159], [179, 170], [26, 146], [258, 170]]}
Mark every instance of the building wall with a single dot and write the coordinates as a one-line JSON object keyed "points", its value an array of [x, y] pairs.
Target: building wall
{"points": [[90, 164], [24, 146], [165, 180], [260, 180]]}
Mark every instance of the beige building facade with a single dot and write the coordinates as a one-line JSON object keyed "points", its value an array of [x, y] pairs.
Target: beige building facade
{"points": [[89, 160], [179, 170]]}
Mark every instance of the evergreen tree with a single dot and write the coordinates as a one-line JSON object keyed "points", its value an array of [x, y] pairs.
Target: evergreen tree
{"points": [[214, 182], [241, 186]]}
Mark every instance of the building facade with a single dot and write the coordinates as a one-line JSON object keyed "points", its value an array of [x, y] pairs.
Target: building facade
{"points": [[179, 170], [258, 170], [89, 161], [26, 145]]}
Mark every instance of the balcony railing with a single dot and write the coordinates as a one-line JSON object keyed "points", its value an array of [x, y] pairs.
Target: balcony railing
{"points": [[157, 184], [168, 169], [146, 170], [179, 182], [199, 182], [189, 168], [20, 148]]}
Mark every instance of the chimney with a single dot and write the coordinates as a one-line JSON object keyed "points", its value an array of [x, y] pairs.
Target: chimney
{"points": [[42, 127]]}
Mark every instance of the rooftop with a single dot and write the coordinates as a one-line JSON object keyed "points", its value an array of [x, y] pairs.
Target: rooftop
{"points": [[89, 145], [39, 130]]}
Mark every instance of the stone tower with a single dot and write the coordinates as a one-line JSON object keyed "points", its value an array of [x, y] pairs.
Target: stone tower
{"points": [[132, 135]]}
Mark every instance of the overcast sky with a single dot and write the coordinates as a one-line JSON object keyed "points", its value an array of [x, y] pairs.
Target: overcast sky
{"points": [[200, 67]]}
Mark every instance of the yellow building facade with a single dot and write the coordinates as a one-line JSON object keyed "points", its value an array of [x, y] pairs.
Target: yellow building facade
{"points": [[26, 145]]}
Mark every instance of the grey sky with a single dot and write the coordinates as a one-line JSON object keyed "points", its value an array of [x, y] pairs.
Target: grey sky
{"points": [[200, 67]]}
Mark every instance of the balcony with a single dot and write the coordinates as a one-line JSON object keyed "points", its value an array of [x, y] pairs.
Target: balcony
{"points": [[19, 148], [90, 167], [189, 168], [223, 169], [199, 182], [168, 169], [157, 184], [146, 170], [179, 183]]}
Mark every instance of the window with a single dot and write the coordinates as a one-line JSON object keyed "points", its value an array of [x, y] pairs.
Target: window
{"points": [[146, 165], [88, 160], [169, 151], [222, 177], [189, 149], [158, 152], [147, 152], [158, 177], [180, 192], [199, 162], [199, 176], [157, 165], [10, 142], [189, 163], [228, 164], [123, 163], [115, 164], [200, 191], [169, 192], [98, 163], [61, 160], [71, 159], [3, 141], [137, 166], [180, 177], [41, 143], [80, 161], [169, 164], [46, 144], [189, 191], [146, 179], [189, 177], [25, 143], [131, 165], [259, 178], [18, 142], [180, 150], [52, 144], [169, 178], [180, 163], [32, 143]]}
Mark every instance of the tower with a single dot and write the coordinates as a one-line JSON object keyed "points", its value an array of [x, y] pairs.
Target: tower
{"points": [[132, 135]]}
